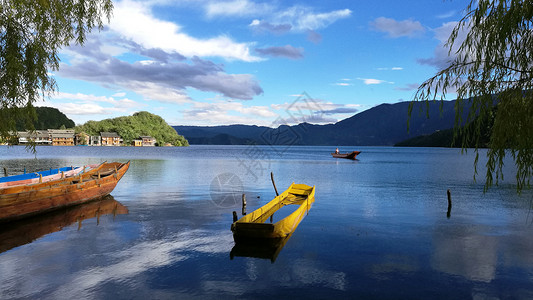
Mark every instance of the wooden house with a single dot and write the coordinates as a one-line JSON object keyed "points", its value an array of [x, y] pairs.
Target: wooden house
{"points": [[39, 137], [61, 137], [95, 140], [148, 141], [110, 139]]}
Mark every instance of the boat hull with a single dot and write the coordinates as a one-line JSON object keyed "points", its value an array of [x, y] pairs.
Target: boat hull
{"points": [[252, 227], [24, 201]]}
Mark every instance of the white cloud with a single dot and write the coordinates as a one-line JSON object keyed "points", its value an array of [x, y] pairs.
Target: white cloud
{"points": [[119, 94], [369, 81], [390, 69], [395, 29], [134, 21], [299, 19], [236, 8], [224, 113], [441, 55]]}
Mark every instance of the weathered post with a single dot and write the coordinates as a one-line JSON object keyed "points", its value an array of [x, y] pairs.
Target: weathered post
{"points": [[449, 213], [273, 183], [235, 218], [243, 204]]}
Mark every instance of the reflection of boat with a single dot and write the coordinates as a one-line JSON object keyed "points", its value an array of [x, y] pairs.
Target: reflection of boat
{"points": [[351, 155], [266, 248], [41, 176], [25, 200], [253, 226], [25, 231]]}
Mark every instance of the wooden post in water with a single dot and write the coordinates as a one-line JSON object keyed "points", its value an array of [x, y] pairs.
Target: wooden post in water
{"points": [[243, 204], [272, 177], [449, 213], [235, 218]]}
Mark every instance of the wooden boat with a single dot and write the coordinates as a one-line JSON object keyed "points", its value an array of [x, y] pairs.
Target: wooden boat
{"points": [[26, 200], [41, 176], [253, 226], [21, 232], [351, 155]]}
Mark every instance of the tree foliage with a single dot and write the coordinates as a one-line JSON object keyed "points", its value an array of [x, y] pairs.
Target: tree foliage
{"points": [[48, 118], [31, 34], [491, 71], [132, 127]]}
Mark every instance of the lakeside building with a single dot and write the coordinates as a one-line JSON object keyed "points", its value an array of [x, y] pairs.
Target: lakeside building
{"points": [[67, 137], [61, 137], [148, 141], [94, 140], [144, 141], [110, 139], [39, 137]]}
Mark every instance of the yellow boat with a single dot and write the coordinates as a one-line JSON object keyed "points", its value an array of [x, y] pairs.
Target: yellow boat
{"points": [[253, 226]]}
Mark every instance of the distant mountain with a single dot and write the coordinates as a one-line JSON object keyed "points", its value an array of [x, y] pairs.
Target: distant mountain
{"points": [[383, 125]]}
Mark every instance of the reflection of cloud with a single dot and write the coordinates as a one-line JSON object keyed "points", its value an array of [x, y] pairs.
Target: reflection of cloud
{"points": [[467, 253], [314, 275], [141, 258], [393, 264]]}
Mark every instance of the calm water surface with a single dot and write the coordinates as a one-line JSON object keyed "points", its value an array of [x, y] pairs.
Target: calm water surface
{"points": [[378, 228]]}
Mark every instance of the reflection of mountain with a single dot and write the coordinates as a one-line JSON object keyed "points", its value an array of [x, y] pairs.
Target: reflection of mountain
{"points": [[25, 231], [265, 248], [467, 252]]}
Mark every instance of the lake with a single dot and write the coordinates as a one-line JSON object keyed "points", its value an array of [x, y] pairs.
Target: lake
{"points": [[378, 228]]}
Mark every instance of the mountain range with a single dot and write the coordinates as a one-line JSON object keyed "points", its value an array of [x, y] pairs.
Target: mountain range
{"points": [[382, 125]]}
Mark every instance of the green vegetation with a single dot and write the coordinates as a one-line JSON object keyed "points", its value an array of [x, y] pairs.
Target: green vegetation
{"points": [[31, 34], [491, 73], [49, 118], [132, 127]]}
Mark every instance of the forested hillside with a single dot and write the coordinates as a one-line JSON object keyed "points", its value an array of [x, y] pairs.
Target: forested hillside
{"points": [[132, 127], [49, 118]]}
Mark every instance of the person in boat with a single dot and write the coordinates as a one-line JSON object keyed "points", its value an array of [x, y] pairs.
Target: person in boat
{"points": [[337, 151]]}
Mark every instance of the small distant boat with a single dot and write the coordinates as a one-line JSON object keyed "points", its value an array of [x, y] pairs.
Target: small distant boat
{"points": [[252, 226], [21, 201], [351, 155], [41, 176]]}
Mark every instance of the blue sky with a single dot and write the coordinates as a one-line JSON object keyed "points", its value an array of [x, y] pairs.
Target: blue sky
{"points": [[202, 62]]}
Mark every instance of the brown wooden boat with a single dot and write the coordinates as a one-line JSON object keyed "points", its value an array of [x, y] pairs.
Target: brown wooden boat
{"points": [[22, 201], [351, 155]]}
